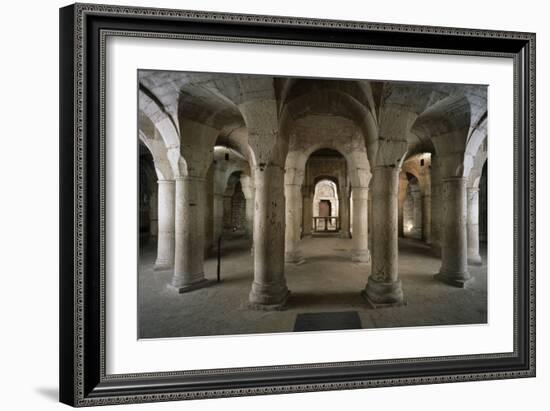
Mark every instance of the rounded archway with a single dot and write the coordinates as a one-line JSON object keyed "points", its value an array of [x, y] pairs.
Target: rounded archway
{"points": [[325, 206]]}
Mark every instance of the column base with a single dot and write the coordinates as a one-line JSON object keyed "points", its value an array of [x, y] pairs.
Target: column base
{"points": [[360, 256], [162, 265], [294, 257], [455, 279], [475, 260], [380, 294], [268, 297], [345, 235], [375, 306], [436, 250], [185, 288]]}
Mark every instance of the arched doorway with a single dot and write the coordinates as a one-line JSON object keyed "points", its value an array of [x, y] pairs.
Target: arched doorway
{"points": [[325, 207]]}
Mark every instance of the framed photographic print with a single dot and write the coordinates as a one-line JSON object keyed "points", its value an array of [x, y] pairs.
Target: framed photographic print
{"points": [[261, 204]]}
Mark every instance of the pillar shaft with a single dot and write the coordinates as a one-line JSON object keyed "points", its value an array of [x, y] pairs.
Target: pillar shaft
{"points": [[384, 286], [473, 226], [417, 204], [343, 206], [307, 208], [360, 252], [402, 196], [454, 263], [209, 213], [217, 228], [369, 205], [436, 207], [426, 217], [154, 215], [248, 191], [269, 286], [165, 243], [189, 258], [293, 200]]}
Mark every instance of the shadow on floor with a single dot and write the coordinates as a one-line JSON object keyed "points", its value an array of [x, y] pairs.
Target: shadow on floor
{"points": [[421, 278], [309, 300], [325, 258]]}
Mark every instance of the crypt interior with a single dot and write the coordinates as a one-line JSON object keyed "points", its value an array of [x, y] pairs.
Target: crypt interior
{"points": [[320, 204]]}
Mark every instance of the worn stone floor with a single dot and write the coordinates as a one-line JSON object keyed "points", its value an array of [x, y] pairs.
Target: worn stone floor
{"points": [[327, 282]]}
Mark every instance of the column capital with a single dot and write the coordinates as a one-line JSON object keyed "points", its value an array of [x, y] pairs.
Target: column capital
{"points": [[190, 178], [165, 181]]}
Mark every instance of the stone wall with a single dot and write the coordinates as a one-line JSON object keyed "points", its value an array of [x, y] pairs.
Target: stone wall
{"points": [[238, 209]]}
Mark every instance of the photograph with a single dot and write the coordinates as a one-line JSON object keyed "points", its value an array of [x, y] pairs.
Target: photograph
{"points": [[256, 204], [271, 204]]}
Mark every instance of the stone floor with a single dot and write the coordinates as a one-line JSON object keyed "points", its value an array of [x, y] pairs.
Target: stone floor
{"points": [[327, 282]]}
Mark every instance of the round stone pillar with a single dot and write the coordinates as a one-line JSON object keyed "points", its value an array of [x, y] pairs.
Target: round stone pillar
{"points": [[369, 202], [343, 207], [248, 191], [417, 213], [454, 257], [293, 200], [307, 207], [473, 226], [165, 242], [426, 217], [402, 196], [269, 290], [436, 208], [217, 212], [384, 286], [189, 258], [154, 215], [360, 252]]}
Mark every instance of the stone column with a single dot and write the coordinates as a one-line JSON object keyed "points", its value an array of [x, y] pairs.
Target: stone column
{"points": [[248, 191], [343, 206], [227, 210], [165, 243], [454, 256], [217, 228], [360, 252], [426, 217], [189, 259], [307, 208], [369, 205], [436, 207], [402, 196], [417, 212], [269, 290], [473, 226], [154, 215], [384, 286], [293, 201], [209, 214]]}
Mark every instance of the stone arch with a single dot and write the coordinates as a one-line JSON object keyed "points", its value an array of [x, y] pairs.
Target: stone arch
{"points": [[357, 165], [447, 124], [153, 119]]}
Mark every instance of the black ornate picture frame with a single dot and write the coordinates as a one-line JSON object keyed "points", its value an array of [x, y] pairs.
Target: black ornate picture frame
{"points": [[83, 31]]}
